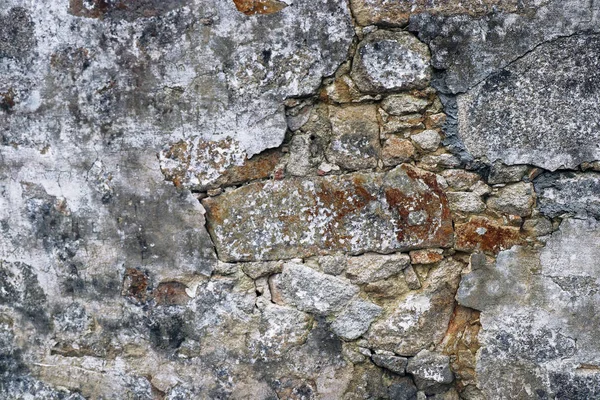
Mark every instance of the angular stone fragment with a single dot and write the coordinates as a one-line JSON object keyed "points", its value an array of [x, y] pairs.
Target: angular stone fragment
{"points": [[435, 162], [404, 389], [299, 162], [568, 192], [483, 234], [402, 209], [312, 291], [333, 265], [391, 61], [495, 117], [430, 369], [515, 199], [467, 202], [344, 90], [280, 329], [388, 360], [428, 256], [355, 319], [400, 124], [428, 140], [355, 137], [459, 179], [412, 279], [259, 269], [404, 103], [374, 267], [500, 173], [396, 151], [538, 226], [422, 317]]}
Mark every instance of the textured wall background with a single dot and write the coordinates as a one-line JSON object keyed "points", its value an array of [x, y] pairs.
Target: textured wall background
{"points": [[277, 199]]}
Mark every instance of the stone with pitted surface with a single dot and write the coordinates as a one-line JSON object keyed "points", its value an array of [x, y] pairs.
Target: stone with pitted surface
{"points": [[402, 209]]}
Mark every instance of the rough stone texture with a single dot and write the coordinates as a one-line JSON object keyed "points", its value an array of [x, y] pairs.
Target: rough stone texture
{"points": [[500, 173], [355, 137], [427, 140], [547, 342], [397, 13], [494, 117], [353, 321], [313, 291], [402, 104], [483, 234], [516, 199], [467, 202], [200, 165], [307, 140], [568, 193], [470, 48], [428, 256], [429, 370], [399, 210], [374, 267], [391, 61], [459, 179], [413, 323], [388, 360], [397, 151]]}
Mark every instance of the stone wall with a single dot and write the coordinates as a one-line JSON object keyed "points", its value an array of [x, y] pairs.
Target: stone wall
{"points": [[268, 199]]}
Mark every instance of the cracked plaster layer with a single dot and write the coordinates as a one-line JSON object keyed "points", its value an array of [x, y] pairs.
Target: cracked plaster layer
{"points": [[542, 109], [538, 317], [113, 110]]}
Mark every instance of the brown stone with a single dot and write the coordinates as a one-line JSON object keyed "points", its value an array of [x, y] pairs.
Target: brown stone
{"points": [[135, 285], [396, 151], [251, 7], [397, 13], [171, 293], [485, 235], [355, 137], [427, 256], [461, 343], [399, 210]]}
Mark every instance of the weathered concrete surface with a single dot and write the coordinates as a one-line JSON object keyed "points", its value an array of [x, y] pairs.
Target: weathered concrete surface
{"points": [[495, 117], [568, 193], [382, 212], [469, 49], [537, 314], [105, 265]]}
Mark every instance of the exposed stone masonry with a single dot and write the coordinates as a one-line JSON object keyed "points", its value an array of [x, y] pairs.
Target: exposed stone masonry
{"points": [[270, 199]]}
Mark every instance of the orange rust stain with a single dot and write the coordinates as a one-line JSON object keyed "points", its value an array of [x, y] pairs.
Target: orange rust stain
{"points": [[171, 293], [135, 284], [462, 342], [343, 203], [485, 235], [98, 8], [429, 202], [251, 7], [261, 166]]}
